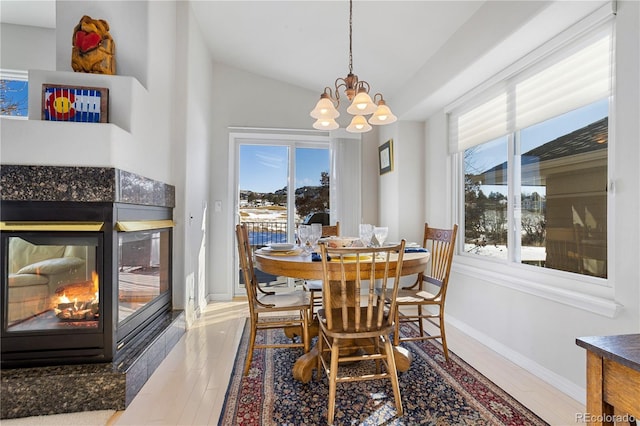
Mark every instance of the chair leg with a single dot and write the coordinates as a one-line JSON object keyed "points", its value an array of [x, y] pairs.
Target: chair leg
{"points": [[333, 375], [443, 336], [252, 342], [420, 323], [377, 350], [396, 333], [312, 301], [319, 366], [305, 330], [394, 375]]}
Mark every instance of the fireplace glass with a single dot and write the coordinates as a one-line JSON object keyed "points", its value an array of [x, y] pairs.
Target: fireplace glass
{"points": [[143, 269], [53, 283]]}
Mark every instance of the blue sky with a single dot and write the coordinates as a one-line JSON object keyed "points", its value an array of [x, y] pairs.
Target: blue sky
{"points": [[17, 92], [265, 168]]}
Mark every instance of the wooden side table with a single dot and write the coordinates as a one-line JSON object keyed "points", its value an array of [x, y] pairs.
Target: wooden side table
{"points": [[613, 379]]}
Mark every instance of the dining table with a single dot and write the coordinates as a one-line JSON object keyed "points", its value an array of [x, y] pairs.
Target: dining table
{"points": [[296, 263]]}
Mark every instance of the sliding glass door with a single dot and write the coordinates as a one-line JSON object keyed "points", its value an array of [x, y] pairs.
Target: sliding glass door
{"points": [[280, 184]]}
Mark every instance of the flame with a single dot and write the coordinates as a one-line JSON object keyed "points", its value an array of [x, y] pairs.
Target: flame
{"points": [[64, 299], [96, 284]]}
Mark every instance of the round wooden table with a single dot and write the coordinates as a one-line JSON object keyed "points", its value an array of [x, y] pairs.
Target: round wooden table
{"points": [[296, 265]]}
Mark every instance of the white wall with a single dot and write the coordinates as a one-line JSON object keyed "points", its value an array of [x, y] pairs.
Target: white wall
{"points": [[242, 99], [41, 51], [513, 311], [129, 27], [369, 181], [191, 153], [144, 34], [439, 194], [401, 191]]}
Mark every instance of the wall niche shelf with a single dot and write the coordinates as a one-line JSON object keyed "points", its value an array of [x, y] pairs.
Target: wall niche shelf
{"points": [[56, 143], [127, 97]]}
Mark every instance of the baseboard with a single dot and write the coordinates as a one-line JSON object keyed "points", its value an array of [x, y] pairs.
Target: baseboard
{"points": [[559, 382]]}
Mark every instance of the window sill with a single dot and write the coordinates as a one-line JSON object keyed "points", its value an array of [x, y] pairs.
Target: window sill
{"points": [[587, 293]]}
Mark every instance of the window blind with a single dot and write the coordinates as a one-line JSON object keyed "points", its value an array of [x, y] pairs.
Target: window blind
{"points": [[575, 75]]}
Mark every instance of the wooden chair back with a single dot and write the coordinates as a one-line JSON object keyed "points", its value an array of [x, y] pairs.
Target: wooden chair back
{"points": [[331, 230], [441, 246], [355, 282], [246, 265]]}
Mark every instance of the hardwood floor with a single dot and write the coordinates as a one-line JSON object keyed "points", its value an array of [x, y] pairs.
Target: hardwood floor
{"points": [[189, 386]]}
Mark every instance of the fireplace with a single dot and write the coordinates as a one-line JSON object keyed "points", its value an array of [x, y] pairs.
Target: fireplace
{"points": [[86, 279], [53, 292], [80, 280]]}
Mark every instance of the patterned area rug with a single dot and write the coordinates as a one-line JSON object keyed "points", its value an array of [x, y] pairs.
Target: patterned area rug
{"points": [[433, 391]]}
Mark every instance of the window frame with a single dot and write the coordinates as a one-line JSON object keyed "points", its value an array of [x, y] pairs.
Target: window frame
{"points": [[582, 291]]}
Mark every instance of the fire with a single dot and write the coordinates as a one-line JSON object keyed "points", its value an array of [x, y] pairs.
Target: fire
{"points": [[78, 301], [96, 284]]}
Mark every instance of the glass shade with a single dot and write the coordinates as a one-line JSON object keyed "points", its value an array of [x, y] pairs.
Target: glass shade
{"points": [[383, 115], [362, 104], [358, 125], [324, 109], [325, 124]]}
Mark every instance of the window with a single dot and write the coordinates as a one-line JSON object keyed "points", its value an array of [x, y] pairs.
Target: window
{"points": [[534, 148], [14, 91]]}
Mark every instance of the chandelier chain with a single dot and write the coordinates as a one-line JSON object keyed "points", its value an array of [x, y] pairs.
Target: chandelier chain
{"points": [[350, 36]]}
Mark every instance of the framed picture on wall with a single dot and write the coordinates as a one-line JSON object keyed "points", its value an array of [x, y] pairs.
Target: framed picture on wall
{"points": [[75, 103], [385, 154]]}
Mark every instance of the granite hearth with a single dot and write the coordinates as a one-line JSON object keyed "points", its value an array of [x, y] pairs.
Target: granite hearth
{"points": [[58, 389]]}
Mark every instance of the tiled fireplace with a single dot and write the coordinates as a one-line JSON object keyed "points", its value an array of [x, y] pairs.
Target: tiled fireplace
{"points": [[86, 287]]}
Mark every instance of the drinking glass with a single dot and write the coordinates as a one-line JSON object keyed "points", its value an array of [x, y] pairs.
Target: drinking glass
{"points": [[304, 234], [380, 232], [366, 234], [316, 234]]}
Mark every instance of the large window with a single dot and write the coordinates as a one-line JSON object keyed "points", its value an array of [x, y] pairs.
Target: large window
{"points": [[534, 148]]}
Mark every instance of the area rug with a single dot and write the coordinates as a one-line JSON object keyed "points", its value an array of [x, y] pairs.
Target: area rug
{"points": [[433, 391]]}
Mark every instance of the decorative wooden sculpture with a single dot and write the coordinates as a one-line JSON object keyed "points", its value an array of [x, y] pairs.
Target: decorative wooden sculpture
{"points": [[93, 48]]}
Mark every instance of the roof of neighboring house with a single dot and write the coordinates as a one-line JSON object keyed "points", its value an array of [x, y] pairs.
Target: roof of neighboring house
{"points": [[589, 138], [593, 137]]}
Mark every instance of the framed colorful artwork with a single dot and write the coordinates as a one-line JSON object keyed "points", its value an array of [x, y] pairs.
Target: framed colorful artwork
{"points": [[385, 153], [75, 103]]}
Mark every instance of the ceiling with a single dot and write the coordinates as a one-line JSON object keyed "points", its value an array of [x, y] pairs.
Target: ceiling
{"points": [[306, 42], [36, 13], [396, 43]]}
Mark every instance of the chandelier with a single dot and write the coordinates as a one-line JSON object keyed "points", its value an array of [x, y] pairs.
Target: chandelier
{"points": [[357, 91]]}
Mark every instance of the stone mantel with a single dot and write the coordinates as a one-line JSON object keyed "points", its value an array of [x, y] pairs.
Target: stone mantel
{"points": [[82, 184]]}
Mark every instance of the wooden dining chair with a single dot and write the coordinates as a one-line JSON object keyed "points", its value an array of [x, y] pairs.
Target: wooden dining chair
{"points": [[354, 314], [314, 287], [441, 245], [262, 305]]}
